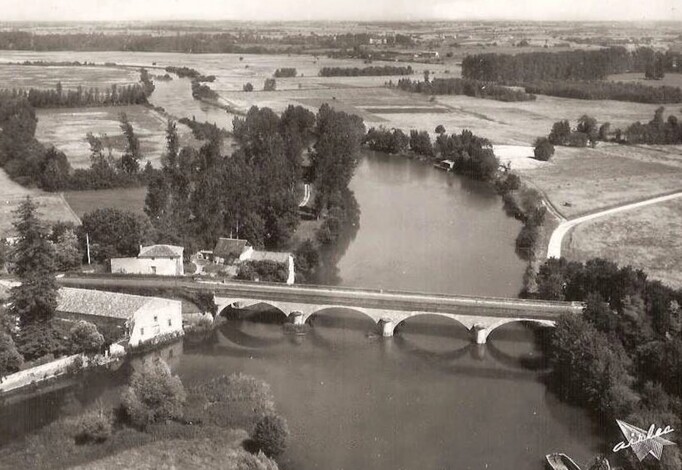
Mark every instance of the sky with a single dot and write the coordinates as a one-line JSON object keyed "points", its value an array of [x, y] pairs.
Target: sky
{"points": [[295, 10]]}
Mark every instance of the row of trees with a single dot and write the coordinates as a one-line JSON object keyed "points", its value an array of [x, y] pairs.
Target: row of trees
{"points": [[378, 70], [80, 97], [603, 90], [463, 86], [620, 358], [285, 72]]}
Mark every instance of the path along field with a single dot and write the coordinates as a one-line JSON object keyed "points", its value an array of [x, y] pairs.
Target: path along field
{"points": [[647, 238]]}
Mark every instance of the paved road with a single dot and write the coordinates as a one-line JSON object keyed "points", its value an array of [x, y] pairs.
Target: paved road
{"points": [[554, 248], [306, 195], [326, 295]]}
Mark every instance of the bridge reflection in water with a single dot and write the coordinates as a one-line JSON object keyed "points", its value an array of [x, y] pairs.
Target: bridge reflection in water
{"points": [[436, 343]]}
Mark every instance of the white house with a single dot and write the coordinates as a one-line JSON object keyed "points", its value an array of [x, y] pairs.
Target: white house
{"points": [[163, 260], [140, 319]]}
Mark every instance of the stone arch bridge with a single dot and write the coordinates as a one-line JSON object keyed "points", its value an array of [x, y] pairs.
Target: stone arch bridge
{"points": [[480, 315]]}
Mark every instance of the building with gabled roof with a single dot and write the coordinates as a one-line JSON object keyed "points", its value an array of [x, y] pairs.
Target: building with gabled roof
{"points": [[140, 319], [229, 250], [163, 260]]}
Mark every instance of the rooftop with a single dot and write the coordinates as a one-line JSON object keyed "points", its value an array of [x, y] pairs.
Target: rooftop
{"points": [[100, 303], [161, 251], [229, 247]]}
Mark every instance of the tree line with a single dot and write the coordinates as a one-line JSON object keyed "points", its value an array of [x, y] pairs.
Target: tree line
{"points": [[378, 70], [621, 357], [463, 86], [657, 131], [285, 72], [603, 90], [57, 97]]}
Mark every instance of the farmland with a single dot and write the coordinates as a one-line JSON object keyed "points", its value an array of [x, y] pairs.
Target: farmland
{"points": [[33, 76], [127, 199], [51, 207], [66, 130], [647, 238]]}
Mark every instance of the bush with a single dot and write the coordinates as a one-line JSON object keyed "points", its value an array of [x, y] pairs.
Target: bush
{"points": [[270, 84], [544, 150], [94, 427], [40, 339], [85, 338], [10, 359], [248, 87], [270, 435], [154, 395]]}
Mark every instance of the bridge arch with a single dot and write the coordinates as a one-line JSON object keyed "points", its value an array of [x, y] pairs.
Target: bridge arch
{"points": [[359, 310], [460, 319], [246, 303], [488, 329]]}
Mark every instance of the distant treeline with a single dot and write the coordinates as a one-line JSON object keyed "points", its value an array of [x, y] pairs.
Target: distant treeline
{"points": [[365, 71], [285, 72], [183, 72], [566, 65], [463, 86], [243, 42], [63, 63], [603, 90], [59, 98]]}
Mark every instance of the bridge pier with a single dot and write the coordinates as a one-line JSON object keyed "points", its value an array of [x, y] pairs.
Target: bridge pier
{"points": [[387, 327], [480, 333], [298, 318]]}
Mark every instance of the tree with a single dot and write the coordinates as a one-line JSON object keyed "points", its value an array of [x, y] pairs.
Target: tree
{"points": [[154, 395], [588, 125], [248, 87], [35, 299], [85, 338], [10, 359], [114, 232], [544, 150], [440, 129], [68, 255], [270, 84], [36, 340], [130, 160], [560, 132], [604, 131], [271, 434]]}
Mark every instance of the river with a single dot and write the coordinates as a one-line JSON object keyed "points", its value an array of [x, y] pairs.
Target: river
{"points": [[424, 399]]}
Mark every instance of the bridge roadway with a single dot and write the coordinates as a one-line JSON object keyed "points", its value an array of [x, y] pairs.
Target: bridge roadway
{"points": [[480, 315]]}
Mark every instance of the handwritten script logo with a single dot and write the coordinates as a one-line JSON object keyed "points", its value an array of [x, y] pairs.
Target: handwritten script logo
{"points": [[643, 442]]}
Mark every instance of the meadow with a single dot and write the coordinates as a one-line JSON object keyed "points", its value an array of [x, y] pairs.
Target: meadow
{"points": [[647, 238], [130, 199], [51, 207], [71, 77], [66, 130]]}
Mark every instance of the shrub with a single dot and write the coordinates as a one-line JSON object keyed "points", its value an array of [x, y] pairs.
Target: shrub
{"points": [[85, 338], [270, 84], [39, 339], [248, 87], [94, 427], [270, 435], [544, 150], [10, 359], [153, 395]]}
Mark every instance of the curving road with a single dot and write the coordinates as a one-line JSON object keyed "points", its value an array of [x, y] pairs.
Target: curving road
{"points": [[554, 248]]}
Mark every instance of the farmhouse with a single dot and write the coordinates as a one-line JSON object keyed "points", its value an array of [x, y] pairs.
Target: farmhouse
{"points": [[164, 260], [139, 319], [233, 251]]}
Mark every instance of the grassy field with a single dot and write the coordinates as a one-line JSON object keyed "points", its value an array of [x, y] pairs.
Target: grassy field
{"points": [[66, 130], [51, 207], [647, 238], [131, 199], [33, 76], [580, 181]]}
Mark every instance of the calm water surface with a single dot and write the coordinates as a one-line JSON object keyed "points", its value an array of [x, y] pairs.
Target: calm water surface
{"points": [[425, 399]]}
